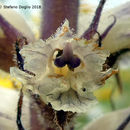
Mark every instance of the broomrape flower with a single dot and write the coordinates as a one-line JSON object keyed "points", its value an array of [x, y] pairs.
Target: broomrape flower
{"points": [[65, 69]]}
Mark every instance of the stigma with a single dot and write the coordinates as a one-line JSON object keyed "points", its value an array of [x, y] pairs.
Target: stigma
{"points": [[66, 57]]}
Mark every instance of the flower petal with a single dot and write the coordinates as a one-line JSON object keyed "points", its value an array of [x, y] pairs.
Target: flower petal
{"points": [[17, 21], [64, 89], [35, 57], [89, 33], [12, 25], [10, 32], [58, 93], [119, 36], [111, 121]]}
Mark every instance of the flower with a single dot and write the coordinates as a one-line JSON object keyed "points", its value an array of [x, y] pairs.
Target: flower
{"points": [[64, 70], [48, 58]]}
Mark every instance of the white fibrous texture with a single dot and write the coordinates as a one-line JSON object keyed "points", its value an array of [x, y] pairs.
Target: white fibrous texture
{"points": [[65, 88]]}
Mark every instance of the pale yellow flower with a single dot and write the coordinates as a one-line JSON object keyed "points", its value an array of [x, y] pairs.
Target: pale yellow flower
{"points": [[64, 71]]}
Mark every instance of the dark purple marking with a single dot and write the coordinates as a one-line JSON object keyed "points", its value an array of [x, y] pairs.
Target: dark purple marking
{"points": [[74, 62], [67, 58], [89, 33], [122, 35], [124, 11], [124, 123], [67, 52], [99, 39], [108, 28], [20, 60], [60, 62], [10, 32]]}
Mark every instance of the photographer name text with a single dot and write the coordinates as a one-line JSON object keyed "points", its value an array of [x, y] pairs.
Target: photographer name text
{"points": [[20, 6]]}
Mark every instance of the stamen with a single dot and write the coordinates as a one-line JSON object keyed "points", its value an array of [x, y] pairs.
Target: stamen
{"points": [[66, 57], [109, 75]]}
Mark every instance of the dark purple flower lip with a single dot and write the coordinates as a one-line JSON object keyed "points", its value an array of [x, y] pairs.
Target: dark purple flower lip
{"points": [[66, 57]]}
